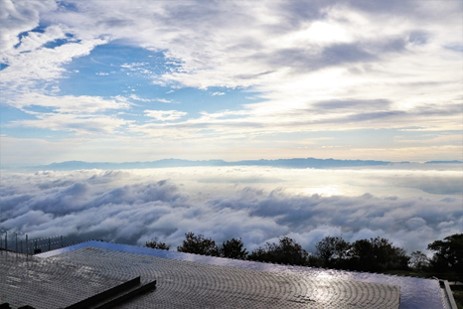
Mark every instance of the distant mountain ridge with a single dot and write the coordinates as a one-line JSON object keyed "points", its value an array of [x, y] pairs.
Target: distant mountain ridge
{"points": [[286, 163], [445, 162]]}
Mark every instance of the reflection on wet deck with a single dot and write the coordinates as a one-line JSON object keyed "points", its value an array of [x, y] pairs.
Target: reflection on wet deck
{"points": [[193, 281]]}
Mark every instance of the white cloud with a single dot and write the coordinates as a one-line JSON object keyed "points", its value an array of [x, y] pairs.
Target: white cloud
{"points": [[78, 114], [135, 206], [145, 100], [17, 17], [162, 100], [228, 38], [161, 115], [32, 64], [79, 124], [293, 55], [70, 104], [41, 68]]}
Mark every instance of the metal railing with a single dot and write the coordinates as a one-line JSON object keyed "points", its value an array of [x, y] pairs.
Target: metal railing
{"points": [[22, 244]]}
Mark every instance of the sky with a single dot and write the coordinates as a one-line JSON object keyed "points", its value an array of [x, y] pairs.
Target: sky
{"points": [[119, 81], [126, 81]]}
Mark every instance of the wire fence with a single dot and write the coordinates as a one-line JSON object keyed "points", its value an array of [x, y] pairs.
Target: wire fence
{"points": [[18, 243]]}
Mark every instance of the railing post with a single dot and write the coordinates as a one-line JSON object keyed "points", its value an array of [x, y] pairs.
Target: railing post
{"points": [[27, 247]]}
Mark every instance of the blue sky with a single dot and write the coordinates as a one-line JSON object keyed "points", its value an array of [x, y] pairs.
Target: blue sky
{"points": [[123, 81]]}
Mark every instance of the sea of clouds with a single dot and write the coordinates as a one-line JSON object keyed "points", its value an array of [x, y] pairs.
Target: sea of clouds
{"points": [[409, 206]]}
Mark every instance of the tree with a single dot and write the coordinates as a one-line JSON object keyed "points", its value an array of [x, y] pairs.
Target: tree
{"points": [[448, 256], [362, 256], [198, 244], [377, 254], [157, 245], [332, 251], [287, 251], [233, 248], [419, 260]]}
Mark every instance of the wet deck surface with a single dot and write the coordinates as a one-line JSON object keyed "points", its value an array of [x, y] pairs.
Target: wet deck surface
{"points": [[65, 277], [44, 283]]}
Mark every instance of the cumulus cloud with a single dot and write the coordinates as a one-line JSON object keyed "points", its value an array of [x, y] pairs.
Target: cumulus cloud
{"points": [[134, 206]]}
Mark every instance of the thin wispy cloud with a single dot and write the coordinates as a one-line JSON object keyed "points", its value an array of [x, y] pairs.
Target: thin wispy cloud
{"points": [[168, 115]]}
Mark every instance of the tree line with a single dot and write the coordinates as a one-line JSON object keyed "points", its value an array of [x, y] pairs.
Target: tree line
{"points": [[374, 254]]}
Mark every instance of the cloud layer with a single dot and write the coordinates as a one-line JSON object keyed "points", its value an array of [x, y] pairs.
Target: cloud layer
{"points": [[317, 68], [259, 205]]}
